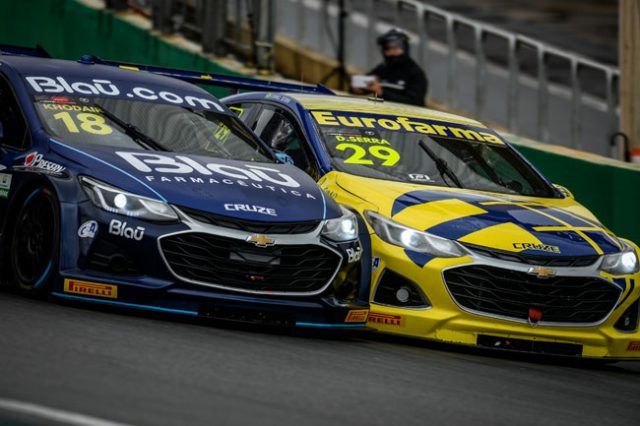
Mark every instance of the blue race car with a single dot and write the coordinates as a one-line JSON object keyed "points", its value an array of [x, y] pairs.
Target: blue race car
{"points": [[124, 187]]}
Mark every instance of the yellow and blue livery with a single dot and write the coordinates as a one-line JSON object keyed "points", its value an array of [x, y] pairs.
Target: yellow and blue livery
{"points": [[470, 244]]}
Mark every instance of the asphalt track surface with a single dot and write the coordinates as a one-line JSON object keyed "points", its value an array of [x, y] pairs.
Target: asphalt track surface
{"points": [[142, 369]]}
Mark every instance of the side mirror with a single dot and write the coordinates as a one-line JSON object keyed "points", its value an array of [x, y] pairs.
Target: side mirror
{"points": [[564, 191], [1, 131], [284, 158]]}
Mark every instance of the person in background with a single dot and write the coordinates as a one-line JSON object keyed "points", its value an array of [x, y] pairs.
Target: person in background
{"points": [[398, 78]]}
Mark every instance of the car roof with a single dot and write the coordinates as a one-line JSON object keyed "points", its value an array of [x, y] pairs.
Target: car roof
{"points": [[376, 106], [25, 65]]}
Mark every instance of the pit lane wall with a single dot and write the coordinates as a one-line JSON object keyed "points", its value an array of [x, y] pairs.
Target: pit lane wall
{"points": [[68, 29], [609, 188]]}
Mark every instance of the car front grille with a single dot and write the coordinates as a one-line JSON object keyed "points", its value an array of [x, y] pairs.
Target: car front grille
{"points": [[239, 265], [507, 293], [550, 261], [251, 226]]}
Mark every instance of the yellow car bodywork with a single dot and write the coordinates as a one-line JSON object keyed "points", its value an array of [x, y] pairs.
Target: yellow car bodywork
{"points": [[445, 319]]}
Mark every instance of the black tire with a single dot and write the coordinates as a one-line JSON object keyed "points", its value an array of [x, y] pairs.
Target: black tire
{"points": [[35, 242]]}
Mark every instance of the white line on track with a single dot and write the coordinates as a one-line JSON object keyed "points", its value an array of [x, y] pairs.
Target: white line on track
{"points": [[66, 417]]}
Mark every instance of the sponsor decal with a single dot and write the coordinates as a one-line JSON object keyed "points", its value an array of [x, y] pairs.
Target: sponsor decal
{"points": [[182, 169], [361, 139], [385, 319], [407, 124], [260, 240], [5, 185], [88, 229], [535, 316], [67, 107], [121, 229], [358, 315], [36, 161], [542, 272], [255, 277], [87, 288], [634, 346], [419, 177], [101, 87], [250, 208], [375, 263], [354, 254], [533, 246]]}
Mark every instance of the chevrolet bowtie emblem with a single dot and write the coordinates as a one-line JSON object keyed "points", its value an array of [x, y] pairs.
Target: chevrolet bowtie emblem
{"points": [[542, 272], [260, 240]]}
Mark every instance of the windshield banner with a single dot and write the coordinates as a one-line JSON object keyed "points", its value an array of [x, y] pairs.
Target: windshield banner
{"points": [[392, 123], [41, 85]]}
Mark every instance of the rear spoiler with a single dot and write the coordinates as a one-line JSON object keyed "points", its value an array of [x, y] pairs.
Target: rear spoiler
{"points": [[11, 50], [217, 80]]}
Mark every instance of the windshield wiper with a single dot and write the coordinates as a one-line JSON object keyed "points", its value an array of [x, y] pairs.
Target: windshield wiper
{"points": [[443, 167], [486, 167], [132, 131]]}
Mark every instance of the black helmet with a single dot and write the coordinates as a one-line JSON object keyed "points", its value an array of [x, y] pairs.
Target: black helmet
{"points": [[394, 36]]}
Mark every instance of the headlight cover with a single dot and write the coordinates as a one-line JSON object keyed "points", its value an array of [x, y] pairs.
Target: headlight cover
{"points": [[623, 263], [117, 201], [343, 228], [412, 239]]}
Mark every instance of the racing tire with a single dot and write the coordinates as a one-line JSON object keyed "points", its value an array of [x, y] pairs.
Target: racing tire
{"points": [[35, 240]]}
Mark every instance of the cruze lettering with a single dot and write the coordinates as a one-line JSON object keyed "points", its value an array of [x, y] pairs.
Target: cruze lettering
{"points": [[250, 208], [533, 246]]}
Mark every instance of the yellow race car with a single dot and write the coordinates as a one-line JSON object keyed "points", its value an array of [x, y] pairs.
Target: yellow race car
{"points": [[470, 244]]}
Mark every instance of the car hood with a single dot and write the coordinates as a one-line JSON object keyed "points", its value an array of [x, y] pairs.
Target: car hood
{"points": [[240, 189], [527, 225]]}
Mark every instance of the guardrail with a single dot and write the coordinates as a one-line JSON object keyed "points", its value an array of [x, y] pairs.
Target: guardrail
{"points": [[423, 15], [523, 58]]}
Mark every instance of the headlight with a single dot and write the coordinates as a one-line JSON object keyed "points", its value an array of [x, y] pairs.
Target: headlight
{"points": [[343, 228], [623, 263], [412, 239], [117, 201]]}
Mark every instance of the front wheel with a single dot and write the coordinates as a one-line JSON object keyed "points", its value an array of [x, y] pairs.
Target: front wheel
{"points": [[34, 242]]}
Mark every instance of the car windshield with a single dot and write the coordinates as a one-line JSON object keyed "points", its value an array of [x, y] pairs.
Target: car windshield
{"points": [[426, 151], [147, 125]]}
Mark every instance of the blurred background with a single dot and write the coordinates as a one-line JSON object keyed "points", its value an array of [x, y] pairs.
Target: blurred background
{"points": [[545, 69]]}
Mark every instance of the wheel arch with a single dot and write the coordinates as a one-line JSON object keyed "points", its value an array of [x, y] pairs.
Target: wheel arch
{"points": [[24, 187]]}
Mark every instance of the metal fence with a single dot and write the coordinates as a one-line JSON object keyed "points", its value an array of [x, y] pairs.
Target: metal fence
{"points": [[525, 85], [219, 25]]}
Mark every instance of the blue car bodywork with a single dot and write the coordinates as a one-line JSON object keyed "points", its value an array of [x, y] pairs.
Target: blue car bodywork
{"points": [[215, 229]]}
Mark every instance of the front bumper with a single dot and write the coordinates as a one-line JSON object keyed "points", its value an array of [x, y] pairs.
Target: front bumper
{"points": [[446, 320], [124, 263], [316, 312]]}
